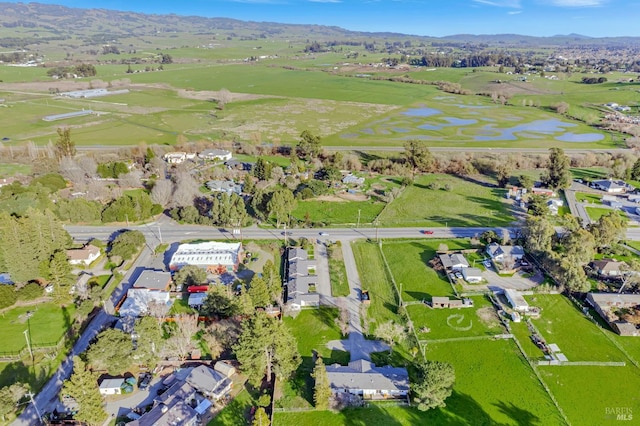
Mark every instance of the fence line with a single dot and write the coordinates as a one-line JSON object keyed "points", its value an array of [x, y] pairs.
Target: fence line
{"points": [[584, 363], [462, 339]]}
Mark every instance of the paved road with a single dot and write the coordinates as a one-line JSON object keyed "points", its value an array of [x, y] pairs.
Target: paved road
{"points": [[51, 389]]}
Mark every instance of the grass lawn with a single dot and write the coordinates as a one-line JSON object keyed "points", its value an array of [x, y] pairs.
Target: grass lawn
{"points": [[633, 244], [588, 198], [465, 204], [181, 306], [595, 213], [46, 326], [337, 271], [10, 169], [589, 173], [481, 320], [338, 212], [409, 264], [100, 280], [236, 413], [515, 396], [313, 329], [586, 393], [578, 338], [374, 278]]}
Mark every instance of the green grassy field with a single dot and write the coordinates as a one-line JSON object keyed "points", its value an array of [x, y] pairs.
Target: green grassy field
{"points": [[46, 326], [371, 269], [236, 412], [481, 320], [409, 264], [338, 272], [11, 169], [338, 212], [465, 204], [313, 329], [578, 338], [595, 213], [588, 198]]}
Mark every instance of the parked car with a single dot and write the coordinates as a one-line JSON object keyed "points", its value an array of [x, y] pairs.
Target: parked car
{"points": [[144, 380], [427, 232]]}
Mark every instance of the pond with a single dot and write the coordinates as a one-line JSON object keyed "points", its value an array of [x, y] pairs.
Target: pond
{"points": [[422, 112], [544, 127]]}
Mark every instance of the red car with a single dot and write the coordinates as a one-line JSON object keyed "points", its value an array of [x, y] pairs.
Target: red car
{"points": [[427, 231]]}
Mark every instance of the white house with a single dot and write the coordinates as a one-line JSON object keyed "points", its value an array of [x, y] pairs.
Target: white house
{"points": [[516, 300], [351, 179], [216, 155], [454, 262], [499, 252], [213, 256], [612, 186], [175, 157], [554, 205], [84, 256], [139, 300], [196, 300], [363, 378], [472, 275], [111, 386]]}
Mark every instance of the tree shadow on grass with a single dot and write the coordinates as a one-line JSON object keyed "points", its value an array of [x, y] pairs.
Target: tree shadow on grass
{"points": [[14, 372], [520, 416]]}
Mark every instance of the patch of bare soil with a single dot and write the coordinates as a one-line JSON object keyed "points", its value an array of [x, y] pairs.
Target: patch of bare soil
{"points": [[353, 197], [331, 198], [516, 88], [488, 316], [207, 95]]}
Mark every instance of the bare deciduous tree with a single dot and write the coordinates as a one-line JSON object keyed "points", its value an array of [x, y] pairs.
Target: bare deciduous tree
{"points": [[133, 179], [186, 190], [161, 192], [181, 342], [223, 98], [343, 318]]}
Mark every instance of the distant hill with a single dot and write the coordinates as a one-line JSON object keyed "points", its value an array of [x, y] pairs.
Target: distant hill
{"points": [[35, 23]]}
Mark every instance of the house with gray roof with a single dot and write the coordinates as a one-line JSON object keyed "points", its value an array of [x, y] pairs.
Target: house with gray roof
{"points": [[499, 252], [612, 186], [175, 407], [454, 261], [363, 378], [301, 279], [209, 382], [215, 154], [226, 186]]}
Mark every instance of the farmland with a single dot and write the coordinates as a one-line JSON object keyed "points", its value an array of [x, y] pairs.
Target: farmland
{"points": [[444, 200]]}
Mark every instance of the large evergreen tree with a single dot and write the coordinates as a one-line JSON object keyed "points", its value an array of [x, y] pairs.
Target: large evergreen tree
{"points": [[433, 385], [112, 351], [281, 205], [83, 387], [321, 387], [259, 292], [266, 345], [558, 174]]}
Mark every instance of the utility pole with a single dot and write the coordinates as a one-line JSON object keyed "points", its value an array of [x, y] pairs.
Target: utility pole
{"points": [[376, 223], [159, 233], [358, 224], [35, 406], [26, 336], [400, 295], [127, 216]]}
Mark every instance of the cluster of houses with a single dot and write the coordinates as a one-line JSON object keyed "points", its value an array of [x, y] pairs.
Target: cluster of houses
{"points": [[185, 397], [301, 279], [178, 157], [553, 203]]}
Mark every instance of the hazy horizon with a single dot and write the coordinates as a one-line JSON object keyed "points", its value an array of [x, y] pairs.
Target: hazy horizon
{"points": [[413, 17]]}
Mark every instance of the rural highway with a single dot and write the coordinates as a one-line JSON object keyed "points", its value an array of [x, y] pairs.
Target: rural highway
{"points": [[171, 232], [399, 148]]}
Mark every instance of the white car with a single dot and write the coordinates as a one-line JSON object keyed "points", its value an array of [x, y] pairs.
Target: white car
{"points": [[324, 234]]}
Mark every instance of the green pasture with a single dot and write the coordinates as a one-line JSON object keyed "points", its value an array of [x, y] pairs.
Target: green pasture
{"points": [[338, 212], [595, 213], [409, 264], [466, 203], [12, 169], [586, 393], [47, 324], [494, 384], [338, 272], [235, 413], [577, 337], [590, 173], [480, 320], [588, 198], [374, 278]]}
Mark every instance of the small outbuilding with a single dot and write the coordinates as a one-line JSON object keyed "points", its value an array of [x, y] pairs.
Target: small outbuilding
{"points": [[516, 300], [225, 369], [111, 386]]}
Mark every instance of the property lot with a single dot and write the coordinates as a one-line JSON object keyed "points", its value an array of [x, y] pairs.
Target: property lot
{"points": [[480, 320], [409, 264], [444, 200], [46, 323], [577, 337]]}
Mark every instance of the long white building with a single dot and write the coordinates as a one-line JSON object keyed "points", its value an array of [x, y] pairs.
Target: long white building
{"points": [[213, 256]]}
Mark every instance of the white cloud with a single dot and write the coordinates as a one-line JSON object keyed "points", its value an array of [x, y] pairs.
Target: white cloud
{"points": [[578, 3], [514, 4], [514, 12]]}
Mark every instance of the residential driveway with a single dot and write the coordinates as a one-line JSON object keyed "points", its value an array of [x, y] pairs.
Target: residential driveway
{"points": [[516, 282], [356, 344], [121, 406]]}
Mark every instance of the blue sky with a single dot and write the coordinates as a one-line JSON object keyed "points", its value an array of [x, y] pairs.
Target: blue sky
{"points": [[422, 17]]}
